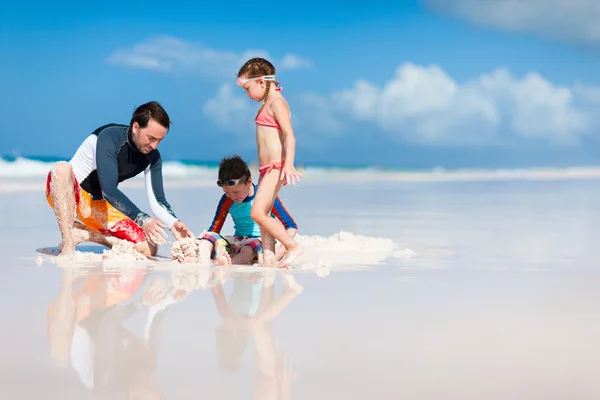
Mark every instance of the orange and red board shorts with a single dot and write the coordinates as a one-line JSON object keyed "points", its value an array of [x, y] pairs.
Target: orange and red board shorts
{"points": [[100, 216]]}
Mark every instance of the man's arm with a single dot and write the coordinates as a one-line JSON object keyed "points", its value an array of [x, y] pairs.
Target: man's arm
{"points": [[156, 194], [107, 148]]}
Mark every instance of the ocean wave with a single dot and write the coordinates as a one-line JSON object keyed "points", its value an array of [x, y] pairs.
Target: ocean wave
{"points": [[21, 167], [16, 171]]}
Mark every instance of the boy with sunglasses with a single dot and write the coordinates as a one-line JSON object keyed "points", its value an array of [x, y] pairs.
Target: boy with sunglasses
{"points": [[244, 247]]}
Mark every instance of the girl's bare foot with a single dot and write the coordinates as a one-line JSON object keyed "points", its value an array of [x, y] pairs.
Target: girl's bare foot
{"points": [[291, 255], [269, 258]]}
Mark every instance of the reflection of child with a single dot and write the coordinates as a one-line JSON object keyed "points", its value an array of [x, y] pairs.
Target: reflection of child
{"points": [[250, 308], [245, 246], [236, 313]]}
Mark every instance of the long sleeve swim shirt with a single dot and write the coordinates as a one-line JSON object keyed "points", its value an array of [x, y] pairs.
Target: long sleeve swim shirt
{"points": [[240, 212], [108, 157]]}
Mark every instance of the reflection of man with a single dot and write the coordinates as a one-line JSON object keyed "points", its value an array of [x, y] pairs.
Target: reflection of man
{"points": [[122, 361], [251, 308], [78, 297], [86, 331]]}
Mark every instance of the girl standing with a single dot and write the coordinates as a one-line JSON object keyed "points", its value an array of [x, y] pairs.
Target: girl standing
{"points": [[276, 150]]}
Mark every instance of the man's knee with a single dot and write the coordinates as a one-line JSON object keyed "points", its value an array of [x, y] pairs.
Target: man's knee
{"points": [[62, 169]]}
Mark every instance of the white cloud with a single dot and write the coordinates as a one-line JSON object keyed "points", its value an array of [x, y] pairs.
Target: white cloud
{"points": [[423, 104], [291, 61], [421, 101], [573, 20], [314, 113], [231, 113], [171, 54]]}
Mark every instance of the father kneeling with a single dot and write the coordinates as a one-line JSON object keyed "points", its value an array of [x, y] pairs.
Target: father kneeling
{"points": [[86, 186]]}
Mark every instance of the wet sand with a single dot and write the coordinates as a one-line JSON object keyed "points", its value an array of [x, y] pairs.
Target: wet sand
{"points": [[498, 299]]}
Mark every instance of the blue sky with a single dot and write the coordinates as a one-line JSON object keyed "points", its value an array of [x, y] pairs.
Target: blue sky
{"points": [[462, 83]]}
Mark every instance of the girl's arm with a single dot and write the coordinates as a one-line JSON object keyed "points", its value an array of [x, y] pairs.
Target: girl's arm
{"points": [[281, 112]]}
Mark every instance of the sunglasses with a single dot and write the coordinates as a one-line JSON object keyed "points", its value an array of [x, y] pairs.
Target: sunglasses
{"points": [[229, 182]]}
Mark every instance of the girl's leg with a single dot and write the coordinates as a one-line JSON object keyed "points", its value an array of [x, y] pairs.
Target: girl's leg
{"points": [[261, 213], [268, 246]]}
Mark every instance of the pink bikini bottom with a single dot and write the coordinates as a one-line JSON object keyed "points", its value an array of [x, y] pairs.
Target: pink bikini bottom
{"points": [[266, 168]]}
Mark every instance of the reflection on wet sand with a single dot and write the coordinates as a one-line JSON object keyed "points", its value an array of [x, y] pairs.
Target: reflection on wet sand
{"points": [[86, 329], [250, 309], [106, 326]]}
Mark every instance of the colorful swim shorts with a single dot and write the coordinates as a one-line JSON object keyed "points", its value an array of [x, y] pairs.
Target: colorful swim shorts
{"points": [[100, 216], [232, 244]]}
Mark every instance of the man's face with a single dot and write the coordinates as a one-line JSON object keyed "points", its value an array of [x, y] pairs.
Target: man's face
{"points": [[147, 139], [238, 192]]}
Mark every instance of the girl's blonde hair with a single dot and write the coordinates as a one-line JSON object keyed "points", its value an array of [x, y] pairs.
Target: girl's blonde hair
{"points": [[258, 67]]}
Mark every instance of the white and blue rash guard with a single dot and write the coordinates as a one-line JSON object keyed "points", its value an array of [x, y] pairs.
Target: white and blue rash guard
{"points": [[107, 157]]}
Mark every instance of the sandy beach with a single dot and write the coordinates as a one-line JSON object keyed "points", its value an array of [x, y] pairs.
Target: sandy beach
{"points": [[478, 289]]}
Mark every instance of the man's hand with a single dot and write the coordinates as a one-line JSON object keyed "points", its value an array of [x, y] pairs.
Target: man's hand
{"points": [[181, 231], [154, 232]]}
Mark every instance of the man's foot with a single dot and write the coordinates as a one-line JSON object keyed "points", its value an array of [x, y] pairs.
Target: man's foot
{"points": [[291, 255], [79, 235], [66, 249]]}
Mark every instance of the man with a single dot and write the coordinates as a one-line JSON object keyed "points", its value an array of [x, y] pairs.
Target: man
{"points": [[86, 186]]}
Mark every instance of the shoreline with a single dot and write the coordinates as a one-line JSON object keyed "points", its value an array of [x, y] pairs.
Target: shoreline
{"points": [[36, 182]]}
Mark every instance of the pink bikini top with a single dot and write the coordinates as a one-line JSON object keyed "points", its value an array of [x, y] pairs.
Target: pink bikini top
{"points": [[266, 119]]}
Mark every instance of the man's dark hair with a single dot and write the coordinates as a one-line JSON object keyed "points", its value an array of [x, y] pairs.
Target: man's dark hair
{"points": [[234, 167], [151, 110]]}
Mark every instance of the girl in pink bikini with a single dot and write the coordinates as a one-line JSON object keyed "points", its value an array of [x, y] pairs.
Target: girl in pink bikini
{"points": [[276, 150]]}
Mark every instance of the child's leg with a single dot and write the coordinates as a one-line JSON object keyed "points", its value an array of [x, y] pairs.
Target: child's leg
{"points": [[245, 256], [214, 246], [268, 245], [250, 249], [261, 213], [205, 249]]}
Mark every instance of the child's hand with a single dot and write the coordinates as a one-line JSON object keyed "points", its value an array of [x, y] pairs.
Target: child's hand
{"points": [[290, 174]]}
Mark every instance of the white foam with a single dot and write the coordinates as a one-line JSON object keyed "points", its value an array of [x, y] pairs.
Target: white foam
{"points": [[23, 168], [24, 174], [345, 250], [341, 251]]}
